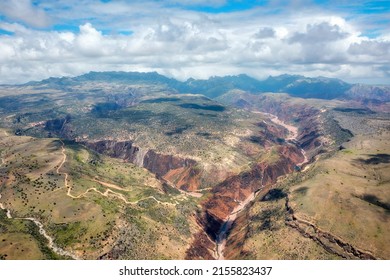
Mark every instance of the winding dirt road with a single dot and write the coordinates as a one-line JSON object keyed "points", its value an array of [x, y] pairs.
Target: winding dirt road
{"points": [[42, 231], [109, 186]]}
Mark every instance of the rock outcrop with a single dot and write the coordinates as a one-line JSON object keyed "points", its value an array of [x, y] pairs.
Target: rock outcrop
{"points": [[233, 191], [227, 195], [180, 172]]}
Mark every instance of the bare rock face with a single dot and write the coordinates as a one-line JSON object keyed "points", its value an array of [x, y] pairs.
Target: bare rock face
{"points": [[235, 189], [124, 149], [160, 164], [202, 249], [187, 178], [179, 171]]}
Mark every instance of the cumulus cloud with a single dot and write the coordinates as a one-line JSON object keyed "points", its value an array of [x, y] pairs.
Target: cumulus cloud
{"points": [[320, 43], [24, 11], [91, 43], [371, 48], [205, 3], [265, 32], [318, 34], [183, 44], [13, 27]]}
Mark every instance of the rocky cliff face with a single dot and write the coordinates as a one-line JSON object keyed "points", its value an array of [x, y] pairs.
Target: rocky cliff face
{"points": [[302, 115], [124, 150], [227, 195], [180, 172], [232, 191]]}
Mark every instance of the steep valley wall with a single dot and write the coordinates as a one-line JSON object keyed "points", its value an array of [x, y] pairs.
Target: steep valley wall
{"points": [[181, 172], [229, 194]]}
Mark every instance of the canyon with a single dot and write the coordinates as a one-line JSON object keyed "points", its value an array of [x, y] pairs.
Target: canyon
{"points": [[237, 192], [233, 194], [140, 170]]}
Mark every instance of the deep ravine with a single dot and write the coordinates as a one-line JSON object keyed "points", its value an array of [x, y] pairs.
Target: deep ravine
{"points": [[226, 226], [221, 236]]}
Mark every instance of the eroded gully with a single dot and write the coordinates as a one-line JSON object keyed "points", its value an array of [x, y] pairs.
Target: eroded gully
{"points": [[226, 226], [42, 231]]}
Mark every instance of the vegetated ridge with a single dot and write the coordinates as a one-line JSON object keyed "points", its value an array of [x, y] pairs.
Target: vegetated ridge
{"points": [[159, 164]]}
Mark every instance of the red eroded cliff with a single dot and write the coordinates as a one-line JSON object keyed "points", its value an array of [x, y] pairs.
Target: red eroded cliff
{"points": [[235, 189], [180, 172]]}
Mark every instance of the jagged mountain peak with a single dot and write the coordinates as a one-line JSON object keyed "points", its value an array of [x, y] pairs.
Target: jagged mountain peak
{"points": [[214, 86]]}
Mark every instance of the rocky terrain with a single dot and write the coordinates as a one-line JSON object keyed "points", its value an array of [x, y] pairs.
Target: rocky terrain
{"points": [[120, 165]]}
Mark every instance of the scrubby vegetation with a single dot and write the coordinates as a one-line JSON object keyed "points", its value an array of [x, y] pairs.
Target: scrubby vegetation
{"points": [[76, 211], [166, 153]]}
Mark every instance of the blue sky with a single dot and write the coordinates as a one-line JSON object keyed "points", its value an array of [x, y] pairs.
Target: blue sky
{"points": [[199, 38]]}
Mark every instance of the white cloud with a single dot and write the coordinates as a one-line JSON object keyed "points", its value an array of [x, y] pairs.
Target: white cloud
{"points": [[265, 32], [204, 3], [182, 43], [24, 11], [372, 48], [13, 27], [90, 42], [319, 34]]}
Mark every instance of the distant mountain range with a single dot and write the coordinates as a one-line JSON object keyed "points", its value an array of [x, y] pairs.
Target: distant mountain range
{"points": [[295, 85]]}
